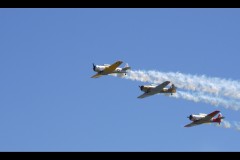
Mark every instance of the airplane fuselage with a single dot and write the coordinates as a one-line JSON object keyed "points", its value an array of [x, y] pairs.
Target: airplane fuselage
{"points": [[200, 117], [150, 88], [100, 69]]}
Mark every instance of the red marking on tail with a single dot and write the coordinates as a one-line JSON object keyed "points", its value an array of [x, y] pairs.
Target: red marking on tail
{"points": [[218, 119]]}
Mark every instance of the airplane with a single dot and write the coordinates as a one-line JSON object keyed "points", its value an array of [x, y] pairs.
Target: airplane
{"points": [[202, 118], [150, 90], [109, 69]]}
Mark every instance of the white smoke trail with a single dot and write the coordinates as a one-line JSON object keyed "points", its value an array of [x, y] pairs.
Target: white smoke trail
{"points": [[226, 124], [201, 84], [201, 97], [237, 125], [121, 75], [212, 85]]}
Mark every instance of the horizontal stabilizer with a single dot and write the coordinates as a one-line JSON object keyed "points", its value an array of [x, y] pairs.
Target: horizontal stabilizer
{"points": [[126, 68]]}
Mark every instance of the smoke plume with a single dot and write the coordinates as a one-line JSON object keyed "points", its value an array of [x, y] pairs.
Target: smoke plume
{"points": [[201, 97], [211, 90], [212, 85]]}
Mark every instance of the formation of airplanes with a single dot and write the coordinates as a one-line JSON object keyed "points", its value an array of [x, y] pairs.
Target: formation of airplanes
{"points": [[153, 89]]}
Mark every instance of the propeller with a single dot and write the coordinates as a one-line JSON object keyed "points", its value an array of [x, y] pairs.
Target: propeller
{"points": [[190, 117], [141, 87], [94, 67]]}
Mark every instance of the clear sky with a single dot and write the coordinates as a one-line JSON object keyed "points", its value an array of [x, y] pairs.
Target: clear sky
{"points": [[50, 103]]}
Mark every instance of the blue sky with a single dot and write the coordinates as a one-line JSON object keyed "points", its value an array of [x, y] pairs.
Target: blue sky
{"points": [[50, 103]]}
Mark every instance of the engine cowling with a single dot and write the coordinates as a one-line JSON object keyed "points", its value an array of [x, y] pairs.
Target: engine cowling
{"points": [[193, 117]]}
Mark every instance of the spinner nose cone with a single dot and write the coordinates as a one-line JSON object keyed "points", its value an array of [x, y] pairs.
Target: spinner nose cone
{"points": [[141, 87]]}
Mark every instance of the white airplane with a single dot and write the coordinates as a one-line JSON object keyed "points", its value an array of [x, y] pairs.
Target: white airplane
{"points": [[150, 90], [109, 69], [204, 118]]}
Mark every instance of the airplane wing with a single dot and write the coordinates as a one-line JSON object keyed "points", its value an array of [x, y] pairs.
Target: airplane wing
{"points": [[96, 75], [112, 67], [192, 124], [146, 95], [161, 86], [211, 115]]}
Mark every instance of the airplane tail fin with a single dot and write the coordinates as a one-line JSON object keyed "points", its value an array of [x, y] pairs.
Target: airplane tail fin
{"points": [[219, 118], [173, 87], [126, 67]]}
